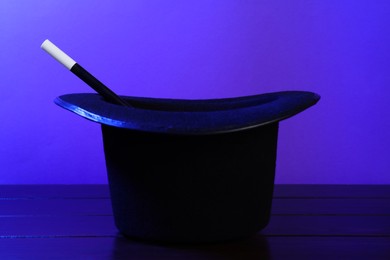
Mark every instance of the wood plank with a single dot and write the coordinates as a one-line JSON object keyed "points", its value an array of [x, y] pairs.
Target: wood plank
{"points": [[281, 191], [300, 225], [102, 206], [57, 248], [331, 191], [324, 206], [57, 226], [318, 225], [52, 207], [353, 248], [258, 247]]}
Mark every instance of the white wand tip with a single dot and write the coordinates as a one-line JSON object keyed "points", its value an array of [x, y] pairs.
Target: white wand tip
{"points": [[58, 54]]}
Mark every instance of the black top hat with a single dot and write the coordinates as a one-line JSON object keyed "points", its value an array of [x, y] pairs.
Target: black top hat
{"points": [[179, 116], [174, 179]]}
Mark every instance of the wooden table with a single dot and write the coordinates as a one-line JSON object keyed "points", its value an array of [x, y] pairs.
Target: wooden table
{"points": [[307, 222]]}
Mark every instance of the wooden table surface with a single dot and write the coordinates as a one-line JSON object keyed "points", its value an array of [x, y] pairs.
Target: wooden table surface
{"points": [[307, 222]]}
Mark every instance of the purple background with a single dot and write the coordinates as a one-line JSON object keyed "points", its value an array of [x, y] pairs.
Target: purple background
{"points": [[199, 49]]}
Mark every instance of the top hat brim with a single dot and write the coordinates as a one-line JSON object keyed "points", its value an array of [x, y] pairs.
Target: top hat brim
{"points": [[183, 116]]}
